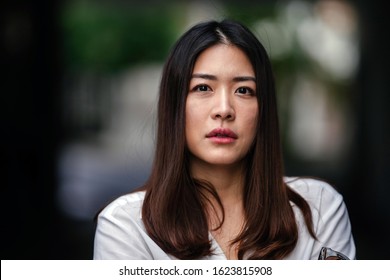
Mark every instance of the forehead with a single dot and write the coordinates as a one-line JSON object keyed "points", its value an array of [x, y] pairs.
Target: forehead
{"points": [[224, 59]]}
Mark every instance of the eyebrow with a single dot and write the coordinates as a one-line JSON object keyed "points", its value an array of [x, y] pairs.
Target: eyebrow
{"points": [[214, 78]]}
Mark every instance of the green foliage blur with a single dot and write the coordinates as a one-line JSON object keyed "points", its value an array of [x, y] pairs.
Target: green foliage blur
{"points": [[104, 37]]}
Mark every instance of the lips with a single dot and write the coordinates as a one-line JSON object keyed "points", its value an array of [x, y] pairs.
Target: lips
{"points": [[222, 133]]}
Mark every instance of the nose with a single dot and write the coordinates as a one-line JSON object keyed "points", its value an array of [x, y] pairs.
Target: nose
{"points": [[223, 107]]}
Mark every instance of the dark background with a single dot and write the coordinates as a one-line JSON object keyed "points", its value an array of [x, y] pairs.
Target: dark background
{"points": [[32, 132]]}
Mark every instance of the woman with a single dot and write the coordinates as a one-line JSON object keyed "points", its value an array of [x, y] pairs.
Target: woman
{"points": [[216, 190]]}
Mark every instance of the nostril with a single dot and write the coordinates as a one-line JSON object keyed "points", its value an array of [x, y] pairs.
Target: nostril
{"points": [[219, 116], [224, 116]]}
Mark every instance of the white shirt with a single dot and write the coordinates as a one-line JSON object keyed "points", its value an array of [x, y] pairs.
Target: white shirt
{"points": [[120, 232]]}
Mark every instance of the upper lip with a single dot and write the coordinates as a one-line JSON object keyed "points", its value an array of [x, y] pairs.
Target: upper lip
{"points": [[222, 132]]}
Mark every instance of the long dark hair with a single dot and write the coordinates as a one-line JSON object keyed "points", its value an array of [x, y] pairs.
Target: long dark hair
{"points": [[174, 207]]}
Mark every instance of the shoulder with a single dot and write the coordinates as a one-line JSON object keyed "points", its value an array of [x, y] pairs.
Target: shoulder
{"points": [[120, 232], [311, 187], [329, 216], [128, 204], [319, 194]]}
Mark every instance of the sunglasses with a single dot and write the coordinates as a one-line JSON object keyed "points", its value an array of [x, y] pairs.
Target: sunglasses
{"points": [[329, 254]]}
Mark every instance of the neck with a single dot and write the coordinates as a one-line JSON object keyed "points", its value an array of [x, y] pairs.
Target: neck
{"points": [[228, 181]]}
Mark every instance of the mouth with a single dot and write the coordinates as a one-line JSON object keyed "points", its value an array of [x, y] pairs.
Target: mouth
{"points": [[222, 135]]}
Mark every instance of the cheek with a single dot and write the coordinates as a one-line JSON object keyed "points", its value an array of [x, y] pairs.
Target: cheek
{"points": [[196, 113], [254, 120], [192, 123], [251, 120], [190, 120]]}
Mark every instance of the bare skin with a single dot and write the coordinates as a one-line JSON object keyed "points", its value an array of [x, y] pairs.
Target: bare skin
{"points": [[221, 117]]}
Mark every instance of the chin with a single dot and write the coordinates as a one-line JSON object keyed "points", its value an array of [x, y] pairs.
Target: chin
{"points": [[224, 161]]}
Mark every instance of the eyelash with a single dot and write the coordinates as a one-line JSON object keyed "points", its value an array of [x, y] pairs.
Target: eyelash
{"points": [[249, 90], [197, 88]]}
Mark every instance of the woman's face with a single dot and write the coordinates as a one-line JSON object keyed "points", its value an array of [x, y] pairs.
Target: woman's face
{"points": [[221, 107]]}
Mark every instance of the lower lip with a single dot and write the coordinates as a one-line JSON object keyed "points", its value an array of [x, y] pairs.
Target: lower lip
{"points": [[222, 140]]}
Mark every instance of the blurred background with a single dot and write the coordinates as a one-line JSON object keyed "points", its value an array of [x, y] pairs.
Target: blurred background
{"points": [[79, 86]]}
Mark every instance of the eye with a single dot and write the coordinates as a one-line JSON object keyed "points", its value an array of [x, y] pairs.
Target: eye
{"points": [[245, 91], [201, 88]]}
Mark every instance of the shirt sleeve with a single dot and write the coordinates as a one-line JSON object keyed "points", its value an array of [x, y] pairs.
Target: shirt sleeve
{"points": [[119, 236], [333, 228]]}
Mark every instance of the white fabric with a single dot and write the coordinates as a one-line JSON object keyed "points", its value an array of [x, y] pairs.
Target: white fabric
{"points": [[120, 232]]}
